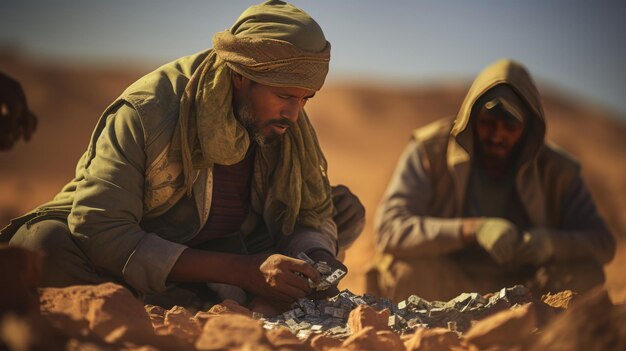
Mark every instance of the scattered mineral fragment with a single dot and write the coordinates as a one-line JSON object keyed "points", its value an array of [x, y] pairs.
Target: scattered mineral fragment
{"points": [[330, 316]]}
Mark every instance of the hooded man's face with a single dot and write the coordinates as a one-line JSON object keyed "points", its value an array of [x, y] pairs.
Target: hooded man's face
{"points": [[265, 111], [497, 133]]}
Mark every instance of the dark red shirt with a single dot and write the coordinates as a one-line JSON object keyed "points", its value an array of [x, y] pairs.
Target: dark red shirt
{"points": [[230, 200]]}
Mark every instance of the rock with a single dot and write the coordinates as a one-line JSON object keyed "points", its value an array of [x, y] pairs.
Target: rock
{"points": [[230, 307], [232, 331], [593, 323], [324, 343], [559, 300], [156, 314], [181, 324], [389, 340], [509, 327], [283, 339], [108, 310], [437, 339], [366, 316], [19, 276], [203, 316], [29, 332], [369, 339]]}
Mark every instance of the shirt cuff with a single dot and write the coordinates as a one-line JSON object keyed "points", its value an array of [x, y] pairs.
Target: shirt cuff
{"points": [[150, 263]]}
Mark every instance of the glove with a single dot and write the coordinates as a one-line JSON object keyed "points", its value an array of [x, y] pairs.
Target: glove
{"points": [[332, 261], [499, 238], [536, 247], [350, 217]]}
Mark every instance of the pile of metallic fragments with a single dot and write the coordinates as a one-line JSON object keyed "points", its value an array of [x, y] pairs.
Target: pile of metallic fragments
{"points": [[330, 316]]}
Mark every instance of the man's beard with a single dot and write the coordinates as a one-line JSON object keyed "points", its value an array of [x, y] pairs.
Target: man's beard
{"points": [[244, 114], [247, 120]]}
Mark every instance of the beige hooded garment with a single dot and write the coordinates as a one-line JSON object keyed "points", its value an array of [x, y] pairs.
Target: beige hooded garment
{"points": [[422, 210]]}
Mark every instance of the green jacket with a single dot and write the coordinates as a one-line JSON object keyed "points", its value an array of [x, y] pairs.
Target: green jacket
{"points": [[126, 207], [422, 210]]}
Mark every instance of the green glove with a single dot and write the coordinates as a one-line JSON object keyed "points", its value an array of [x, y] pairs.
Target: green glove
{"points": [[536, 247], [499, 238]]}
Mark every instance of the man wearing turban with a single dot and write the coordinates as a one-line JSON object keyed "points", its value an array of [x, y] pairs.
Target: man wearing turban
{"points": [[483, 201], [206, 170]]}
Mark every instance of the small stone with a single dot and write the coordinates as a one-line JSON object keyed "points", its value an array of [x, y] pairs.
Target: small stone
{"points": [[281, 338], [559, 300], [369, 339], [432, 339], [230, 307], [507, 327], [231, 331], [324, 342], [365, 316]]}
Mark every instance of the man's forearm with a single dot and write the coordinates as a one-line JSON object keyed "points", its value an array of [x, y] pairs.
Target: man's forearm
{"points": [[207, 267], [406, 235], [577, 245]]}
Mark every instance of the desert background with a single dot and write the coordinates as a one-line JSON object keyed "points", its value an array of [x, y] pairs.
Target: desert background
{"points": [[362, 126], [395, 66]]}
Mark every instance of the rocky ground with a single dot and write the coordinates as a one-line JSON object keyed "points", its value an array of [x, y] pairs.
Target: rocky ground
{"points": [[109, 317]]}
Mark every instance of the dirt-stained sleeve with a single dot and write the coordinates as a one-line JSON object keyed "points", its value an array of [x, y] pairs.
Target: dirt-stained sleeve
{"points": [[402, 227], [583, 233], [108, 208]]}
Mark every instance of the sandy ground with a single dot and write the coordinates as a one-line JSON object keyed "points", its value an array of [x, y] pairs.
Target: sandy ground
{"points": [[362, 127]]}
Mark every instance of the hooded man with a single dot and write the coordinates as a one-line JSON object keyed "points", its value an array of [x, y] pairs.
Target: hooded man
{"points": [[206, 170], [482, 202]]}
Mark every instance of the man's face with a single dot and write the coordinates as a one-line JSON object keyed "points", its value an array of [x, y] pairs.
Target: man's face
{"points": [[265, 111], [497, 133]]}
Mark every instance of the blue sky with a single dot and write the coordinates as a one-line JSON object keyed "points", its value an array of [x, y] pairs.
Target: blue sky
{"points": [[579, 46]]}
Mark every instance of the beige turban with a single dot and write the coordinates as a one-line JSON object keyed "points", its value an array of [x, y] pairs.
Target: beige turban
{"points": [[275, 44]]}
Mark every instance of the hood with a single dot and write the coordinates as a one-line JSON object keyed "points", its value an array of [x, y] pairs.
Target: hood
{"points": [[515, 76]]}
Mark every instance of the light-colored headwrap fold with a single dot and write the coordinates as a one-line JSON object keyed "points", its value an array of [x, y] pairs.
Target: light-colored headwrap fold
{"points": [[274, 44]]}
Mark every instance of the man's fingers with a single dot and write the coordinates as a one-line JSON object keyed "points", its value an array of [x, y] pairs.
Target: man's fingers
{"points": [[345, 217], [525, 252], [305, 268], [339, 190], [297, 282], [293, 292], [342, 204]]}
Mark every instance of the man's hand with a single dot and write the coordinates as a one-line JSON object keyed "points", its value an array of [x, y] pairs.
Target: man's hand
{"points": [[350, 217], [536, 247], [273, 277], [16, 120], [499, 238], [323, 255]]}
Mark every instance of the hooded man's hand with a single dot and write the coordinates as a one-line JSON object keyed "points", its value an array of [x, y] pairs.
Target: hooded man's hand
{"points": [[535, 248], [499, 238]]}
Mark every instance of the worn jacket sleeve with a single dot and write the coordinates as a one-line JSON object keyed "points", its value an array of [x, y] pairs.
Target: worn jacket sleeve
{"points": [[583, 233], [402, 226], [108, 208], [307, 239]]}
